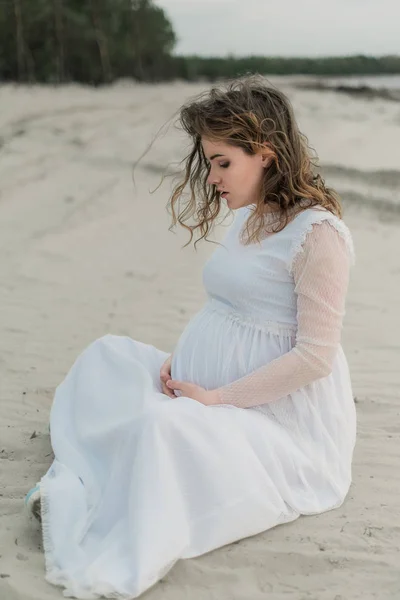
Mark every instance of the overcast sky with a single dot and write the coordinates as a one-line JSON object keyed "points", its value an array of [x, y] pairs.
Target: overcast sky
{"points": [[285, 27]]}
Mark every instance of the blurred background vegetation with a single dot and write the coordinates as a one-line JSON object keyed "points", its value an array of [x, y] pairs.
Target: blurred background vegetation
{"points": [[99, 41]]}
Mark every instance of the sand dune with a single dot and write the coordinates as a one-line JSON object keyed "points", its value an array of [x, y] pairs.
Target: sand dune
{"points": [[84, 253]]}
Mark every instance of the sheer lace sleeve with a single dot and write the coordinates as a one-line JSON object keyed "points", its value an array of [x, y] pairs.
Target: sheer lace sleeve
{"points": [[321, 272]]}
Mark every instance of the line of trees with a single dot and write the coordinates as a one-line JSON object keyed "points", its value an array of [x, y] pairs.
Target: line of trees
{"points": [[99, 41], [194, 67], [92, 41]]}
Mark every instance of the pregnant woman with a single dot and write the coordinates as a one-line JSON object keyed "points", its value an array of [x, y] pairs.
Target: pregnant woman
{"points": [[250, 422]]}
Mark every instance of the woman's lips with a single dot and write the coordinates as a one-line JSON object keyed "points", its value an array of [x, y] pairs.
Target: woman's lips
{"points": [[224, 194]]}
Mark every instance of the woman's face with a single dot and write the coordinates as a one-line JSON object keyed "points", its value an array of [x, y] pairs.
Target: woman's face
{"points": [[237, 175]]}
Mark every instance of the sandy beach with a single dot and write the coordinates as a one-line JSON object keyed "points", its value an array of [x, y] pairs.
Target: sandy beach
{"points": [[85, 252]]}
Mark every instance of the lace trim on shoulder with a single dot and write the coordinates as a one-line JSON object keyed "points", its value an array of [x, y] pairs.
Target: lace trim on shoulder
{"points": [[338, 224]]}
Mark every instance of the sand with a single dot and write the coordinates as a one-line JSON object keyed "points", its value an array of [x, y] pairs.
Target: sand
{"points": [[84, 253]]}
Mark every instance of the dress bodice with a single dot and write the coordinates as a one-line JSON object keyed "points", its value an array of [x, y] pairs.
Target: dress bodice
{"points": [[256, 280]]}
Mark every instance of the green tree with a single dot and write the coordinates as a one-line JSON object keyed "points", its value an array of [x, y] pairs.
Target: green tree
{"points": [[84, 40]]}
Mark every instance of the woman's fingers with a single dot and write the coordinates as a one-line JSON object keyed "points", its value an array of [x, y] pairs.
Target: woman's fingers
{"points": [[166, 390], [165, 376], [177, 385], [164, 384], [165, 372], [190, 390]]}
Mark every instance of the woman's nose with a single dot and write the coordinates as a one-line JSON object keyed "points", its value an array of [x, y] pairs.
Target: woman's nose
{"points": [[212, 179]]}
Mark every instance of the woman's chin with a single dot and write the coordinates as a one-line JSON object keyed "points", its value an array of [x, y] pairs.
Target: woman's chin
{"points": [[234, 205], [231, 204]]}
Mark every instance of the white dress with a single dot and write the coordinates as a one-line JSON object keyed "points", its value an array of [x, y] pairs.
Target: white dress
{"points": [[141, 480]]}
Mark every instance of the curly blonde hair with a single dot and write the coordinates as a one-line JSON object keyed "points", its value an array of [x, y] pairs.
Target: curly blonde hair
{"points": [[248, 113]]}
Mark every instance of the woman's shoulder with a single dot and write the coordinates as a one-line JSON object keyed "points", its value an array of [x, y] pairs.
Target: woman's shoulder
{"points": [[314, 214], [303, 225], [308, 217]]}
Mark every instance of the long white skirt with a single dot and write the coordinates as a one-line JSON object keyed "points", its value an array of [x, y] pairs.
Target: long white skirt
{"points": [[141, 480]]}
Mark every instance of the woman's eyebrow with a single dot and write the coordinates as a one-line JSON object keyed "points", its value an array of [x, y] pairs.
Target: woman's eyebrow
{"points": [[215, 156]]}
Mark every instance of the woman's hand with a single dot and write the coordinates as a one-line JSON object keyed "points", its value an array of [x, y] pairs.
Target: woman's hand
{"points": [[191, 390], [165, 375]]}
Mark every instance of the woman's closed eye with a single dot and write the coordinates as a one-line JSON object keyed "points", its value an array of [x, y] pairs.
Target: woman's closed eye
{"points": [[224, 165]]}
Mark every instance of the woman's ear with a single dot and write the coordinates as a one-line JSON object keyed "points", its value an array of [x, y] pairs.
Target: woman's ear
{"points": [[266, 156], [266, 161]]}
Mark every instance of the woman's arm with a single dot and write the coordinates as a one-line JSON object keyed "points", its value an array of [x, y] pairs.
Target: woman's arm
{"points": [[321, 275]]}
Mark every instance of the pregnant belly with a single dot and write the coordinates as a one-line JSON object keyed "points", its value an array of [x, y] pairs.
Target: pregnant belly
{"points": [[216, 349]]}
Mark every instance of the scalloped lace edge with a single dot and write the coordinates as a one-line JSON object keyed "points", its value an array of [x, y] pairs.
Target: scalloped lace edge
{"points": [[340, 227]]}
